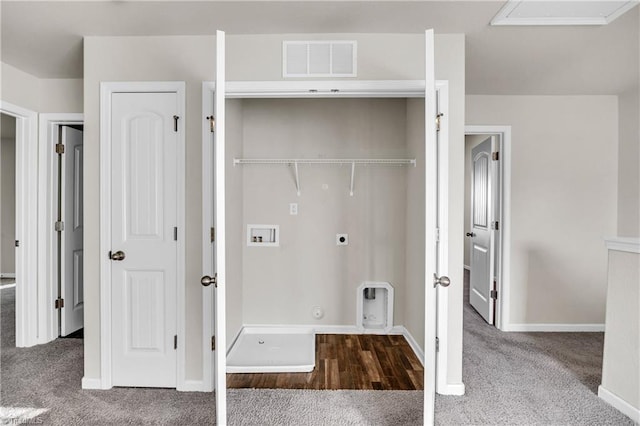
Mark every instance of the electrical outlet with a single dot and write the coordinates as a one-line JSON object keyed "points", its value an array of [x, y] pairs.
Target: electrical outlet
{"points": [[293, 209], [342, 239]]}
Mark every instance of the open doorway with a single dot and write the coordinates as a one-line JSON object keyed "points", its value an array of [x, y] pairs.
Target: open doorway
{"points": [[61, 224], [486, 222], [8, 226]]}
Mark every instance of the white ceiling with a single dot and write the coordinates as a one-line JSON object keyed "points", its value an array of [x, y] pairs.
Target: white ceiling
{"points": [[45, 38], [574, 12]]}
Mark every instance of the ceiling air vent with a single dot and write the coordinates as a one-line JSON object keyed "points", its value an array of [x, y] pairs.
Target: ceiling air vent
{"points": [[319, 58]]}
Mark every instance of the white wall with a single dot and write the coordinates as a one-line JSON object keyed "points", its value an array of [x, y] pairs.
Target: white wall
{"points": [[191, 59], [563, 201], [8, 205]]}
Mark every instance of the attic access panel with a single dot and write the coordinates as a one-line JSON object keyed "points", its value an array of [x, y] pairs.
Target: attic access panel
{"points": [[529, 12]]}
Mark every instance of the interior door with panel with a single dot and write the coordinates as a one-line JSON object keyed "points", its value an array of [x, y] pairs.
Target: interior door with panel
{"points": [[433, 238], [144, 136], [482, 250], [214, 233], [71, 213]]}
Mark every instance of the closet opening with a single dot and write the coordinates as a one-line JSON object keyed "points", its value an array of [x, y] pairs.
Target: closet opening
{"points": [[337, 178]]}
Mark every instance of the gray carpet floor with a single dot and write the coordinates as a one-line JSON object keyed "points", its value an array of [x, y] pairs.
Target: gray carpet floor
{"points": [[511, 378]]}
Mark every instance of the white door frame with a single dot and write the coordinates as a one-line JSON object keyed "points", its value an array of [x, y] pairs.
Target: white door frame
{"points": [[47, 202], [27, 291], [352, 89], [106, 91], [503, 253]]}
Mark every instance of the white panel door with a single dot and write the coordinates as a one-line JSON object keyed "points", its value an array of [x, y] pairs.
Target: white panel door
{"points": [[431, 225], [482, 262], [220, 360], [144, 246], [72, 201]]}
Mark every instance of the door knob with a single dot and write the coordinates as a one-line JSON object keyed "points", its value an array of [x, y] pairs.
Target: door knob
{"points": [[444, 281], [207, 280], [470, 234], [119, 255]]}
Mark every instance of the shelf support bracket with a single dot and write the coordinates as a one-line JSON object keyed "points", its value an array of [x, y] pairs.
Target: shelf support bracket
{"points": [[295, 165], [353, 174]]}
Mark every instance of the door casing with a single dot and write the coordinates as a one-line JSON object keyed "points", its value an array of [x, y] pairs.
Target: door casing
{"points": [[47, 190], [348, 89], [29, 325], [503, 215], [106, 90]]}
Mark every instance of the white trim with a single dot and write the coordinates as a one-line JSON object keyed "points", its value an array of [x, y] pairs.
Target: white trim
{"points": [[619, 404], [452, 389], [47, 209], [414, 344], [466, 267], [27, 292], [631, 245], [106, 91], [7, 275], [502, 314], [219, 205], [92, 383], [7, 286], [326, 89], [503, 17], [444, 147], [208, 373], [192, 386], [570, 328]]}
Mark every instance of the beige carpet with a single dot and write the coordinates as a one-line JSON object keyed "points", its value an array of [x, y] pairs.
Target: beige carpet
{"points": [[511, 378]]}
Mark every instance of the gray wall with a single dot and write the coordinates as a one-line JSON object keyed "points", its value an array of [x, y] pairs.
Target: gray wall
{"points": [[563, 202], [620, 367], [8, 204], [283, 284]]}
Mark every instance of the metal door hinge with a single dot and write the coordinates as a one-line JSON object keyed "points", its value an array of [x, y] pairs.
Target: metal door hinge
{"points": [[437, 345], [59, 226], [175, 342], [17, 243], [175, 233], [213, 234], [494, 294], [438, 120], [59, 148], [58, 303], [213, 343], [495, 156], [495, 225], [212, 123], [175, 123]]}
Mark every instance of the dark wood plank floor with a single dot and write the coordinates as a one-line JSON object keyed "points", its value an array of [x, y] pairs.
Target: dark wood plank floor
{"points": [[347, 361]]}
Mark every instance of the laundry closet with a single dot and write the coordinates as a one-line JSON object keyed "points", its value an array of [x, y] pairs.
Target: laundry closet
{"points": [[320, 236]]}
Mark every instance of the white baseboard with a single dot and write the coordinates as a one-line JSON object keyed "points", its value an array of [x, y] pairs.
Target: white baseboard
{"points": [[456, 389], [619, 404], [414, 345], [89, 383], [570, 328], [191, 386], [8, 275]]}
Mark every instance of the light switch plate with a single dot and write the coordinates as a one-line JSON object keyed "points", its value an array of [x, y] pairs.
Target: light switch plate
{"points": [[293, 209]]}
